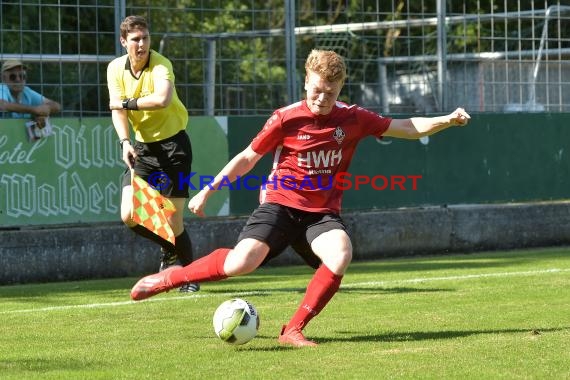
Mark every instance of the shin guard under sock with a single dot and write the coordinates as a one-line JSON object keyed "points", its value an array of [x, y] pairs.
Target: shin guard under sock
{"points": [[320, 290], [207, 268]]}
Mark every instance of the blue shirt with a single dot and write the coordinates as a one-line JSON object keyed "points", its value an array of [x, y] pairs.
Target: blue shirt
{"points": [[28, 97]]}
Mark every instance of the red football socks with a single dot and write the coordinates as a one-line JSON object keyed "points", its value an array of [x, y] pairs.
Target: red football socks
{"points": [[320, 290], [207, 268]]}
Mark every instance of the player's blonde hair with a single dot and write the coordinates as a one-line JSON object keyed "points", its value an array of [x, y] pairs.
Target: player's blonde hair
{"points": [[328, 64]]}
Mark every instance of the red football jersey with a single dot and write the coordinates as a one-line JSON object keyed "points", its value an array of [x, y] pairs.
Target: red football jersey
{"points": [[309, 151]]}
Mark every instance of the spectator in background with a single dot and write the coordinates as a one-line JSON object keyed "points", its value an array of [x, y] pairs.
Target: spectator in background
{"points": [[18, 100]]}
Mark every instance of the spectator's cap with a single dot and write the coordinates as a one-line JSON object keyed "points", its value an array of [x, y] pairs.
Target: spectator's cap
{"points": [[12, 63]]}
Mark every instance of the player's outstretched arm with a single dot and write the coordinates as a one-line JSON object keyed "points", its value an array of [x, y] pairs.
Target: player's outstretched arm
{"points": [[417, 127], [241, 164]]}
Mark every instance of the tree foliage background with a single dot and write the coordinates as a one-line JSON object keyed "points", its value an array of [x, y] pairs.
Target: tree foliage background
{"points": [[250, 71]]}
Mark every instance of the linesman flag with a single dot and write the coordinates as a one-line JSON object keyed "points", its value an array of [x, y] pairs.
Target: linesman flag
{"points": [[151, 209]]}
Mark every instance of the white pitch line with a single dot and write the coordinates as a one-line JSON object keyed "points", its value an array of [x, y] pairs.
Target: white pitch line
{"points": [[122, 303], [236, 294], [462, 277]]}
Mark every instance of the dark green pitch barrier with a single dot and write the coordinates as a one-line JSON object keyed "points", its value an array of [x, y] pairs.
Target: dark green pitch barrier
{"points": [[496, 158], [73, 175]]}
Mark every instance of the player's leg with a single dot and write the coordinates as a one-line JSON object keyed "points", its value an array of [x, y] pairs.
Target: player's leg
{"points": [[127, 201], [218, 265], [171, 257], [263, 232], [332, 245], [183, 252], [165, 165], [302, 247], [334, 248], [223, 263], [246, 257]]}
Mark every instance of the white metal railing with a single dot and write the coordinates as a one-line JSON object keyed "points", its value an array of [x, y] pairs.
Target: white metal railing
{"points": [[555, 9], [212, 93]]}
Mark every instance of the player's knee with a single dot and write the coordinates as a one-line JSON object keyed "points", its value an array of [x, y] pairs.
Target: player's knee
{"points": [[343, 260], [238, 266], [346, 257], [338, 261], [246, 257]]}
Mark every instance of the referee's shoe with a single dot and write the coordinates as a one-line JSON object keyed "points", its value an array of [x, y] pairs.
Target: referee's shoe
{"points": [[169, 259]]}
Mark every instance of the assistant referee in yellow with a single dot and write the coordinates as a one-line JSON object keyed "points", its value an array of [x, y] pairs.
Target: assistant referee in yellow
{"points": [[142, 93]]}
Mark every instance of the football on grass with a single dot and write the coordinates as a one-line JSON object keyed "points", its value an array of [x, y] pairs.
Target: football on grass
{"points": [[236, 321]]}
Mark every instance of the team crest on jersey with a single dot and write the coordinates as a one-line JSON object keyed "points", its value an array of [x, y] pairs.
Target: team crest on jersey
{"points": [[339, 135]]}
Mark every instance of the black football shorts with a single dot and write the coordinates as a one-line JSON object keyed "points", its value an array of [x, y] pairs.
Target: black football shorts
{"points": [[280, 226]]}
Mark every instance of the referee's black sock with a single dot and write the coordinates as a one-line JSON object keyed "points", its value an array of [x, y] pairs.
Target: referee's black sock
{"points": [[141, 231], [183, 248]]}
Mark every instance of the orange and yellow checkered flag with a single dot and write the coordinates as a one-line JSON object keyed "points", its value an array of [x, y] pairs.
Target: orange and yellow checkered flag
{"points": [[151, 209]]}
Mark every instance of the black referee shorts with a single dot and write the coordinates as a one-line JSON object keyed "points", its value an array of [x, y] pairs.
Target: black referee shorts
{"points": [[164, 165]]}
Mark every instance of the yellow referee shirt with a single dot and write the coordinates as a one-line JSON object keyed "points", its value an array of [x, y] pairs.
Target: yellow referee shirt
{"points": [[149, 125]]}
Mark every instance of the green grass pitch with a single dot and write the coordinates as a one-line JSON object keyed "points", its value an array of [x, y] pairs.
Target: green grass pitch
{"points": [[493, 315]]}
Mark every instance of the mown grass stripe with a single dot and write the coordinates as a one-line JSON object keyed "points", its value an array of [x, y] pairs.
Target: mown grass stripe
{"points": [[347, 286]]}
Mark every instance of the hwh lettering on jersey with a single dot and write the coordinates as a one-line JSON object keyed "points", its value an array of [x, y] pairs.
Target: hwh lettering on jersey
{"points": [[319, 159]]}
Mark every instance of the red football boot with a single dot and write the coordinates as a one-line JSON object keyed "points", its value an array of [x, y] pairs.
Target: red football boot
{"points": [[153, 284], [294, 337]]}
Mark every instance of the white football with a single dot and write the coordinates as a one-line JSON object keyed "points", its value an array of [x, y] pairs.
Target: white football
{"points": [[236, 321]]}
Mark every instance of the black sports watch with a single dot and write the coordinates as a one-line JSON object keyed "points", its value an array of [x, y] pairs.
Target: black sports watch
{"points": [[126, 103], [122, 141]]}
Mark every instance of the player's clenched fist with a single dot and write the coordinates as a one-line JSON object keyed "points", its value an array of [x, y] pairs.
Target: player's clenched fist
{"points": [[460, 117]]}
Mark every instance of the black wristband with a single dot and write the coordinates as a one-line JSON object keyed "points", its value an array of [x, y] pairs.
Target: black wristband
{"points": [[132, 104], [125, 104], [121, 142]]}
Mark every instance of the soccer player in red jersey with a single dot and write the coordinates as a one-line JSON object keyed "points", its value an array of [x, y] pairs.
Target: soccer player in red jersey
{"points": [[311, 141]]}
